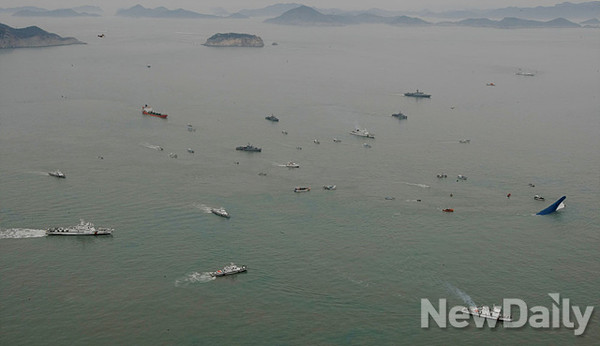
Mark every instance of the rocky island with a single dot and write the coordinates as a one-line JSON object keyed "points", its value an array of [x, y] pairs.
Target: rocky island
{"points": [[234, 40], [31, 36]]}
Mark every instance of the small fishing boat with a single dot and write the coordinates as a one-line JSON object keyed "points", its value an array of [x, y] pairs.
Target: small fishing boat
{"points": [[292, 165], [329, 187], [418, 94], [301, 189], [272, 118], [464, 141], [400, 115], [362, 133], [230, 269], [83, 228], [485, 312], [220, 212], [146, 110], [448, 210], [539, 198], [248, 147], [57, 174], [461, 177]]}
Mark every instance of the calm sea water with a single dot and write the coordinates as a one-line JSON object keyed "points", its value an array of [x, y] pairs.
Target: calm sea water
{"points": [[325, 267]]}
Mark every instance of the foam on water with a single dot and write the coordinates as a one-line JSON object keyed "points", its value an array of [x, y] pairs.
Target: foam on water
{"points": [[202, 207], [413, 184], [194, 278], [19, 233], [459, 293]]}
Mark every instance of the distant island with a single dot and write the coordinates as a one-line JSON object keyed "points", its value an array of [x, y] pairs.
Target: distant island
{"points": [[31, 37], [140, 11], [234, 40]]}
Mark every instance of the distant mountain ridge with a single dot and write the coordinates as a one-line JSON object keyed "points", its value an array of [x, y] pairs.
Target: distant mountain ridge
{"points": [[30, 37], [307, 16], [139, 11], [66, 12]]}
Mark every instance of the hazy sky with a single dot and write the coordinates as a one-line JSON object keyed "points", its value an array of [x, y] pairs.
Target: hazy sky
{"points": [[205, 6]]}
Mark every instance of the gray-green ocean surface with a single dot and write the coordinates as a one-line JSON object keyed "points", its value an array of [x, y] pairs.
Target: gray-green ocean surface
{"points": [[346, 266]]}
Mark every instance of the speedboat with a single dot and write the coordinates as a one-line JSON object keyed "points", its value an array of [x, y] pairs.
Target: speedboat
{"points": [[272, 118], [362, 133], [335, 140], [190, 150], [57, 174], [230, 269], [461, 177], [292, 165], [301, 189], [146, 110], [448, 210], [485, 312], [83, 228], [417, 94], [526, 74], [248, 147], [220, 211], [316, 141], [400, 115], [329, 187], [539, 198], [491, 84], [464, 141], [190, 128]]}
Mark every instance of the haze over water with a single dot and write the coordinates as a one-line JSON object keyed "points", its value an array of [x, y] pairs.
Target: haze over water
{"points": [[325, 267]]}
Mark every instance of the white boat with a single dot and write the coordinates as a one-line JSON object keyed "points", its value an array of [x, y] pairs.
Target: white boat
{"points": [[539, 198], [83, 228], [362, 133], [292, 165], [329, 187], [190, 150], [221, 212], [461, 177], [301, 189], [57, 174], [229, 270], [526, 74], [335, 140], [316, 141], [485, 312]]}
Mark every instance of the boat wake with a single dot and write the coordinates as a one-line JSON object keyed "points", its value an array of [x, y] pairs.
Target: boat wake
{"points": [[152, 146], [19, 233], [203, 207], [194, 278], [462, 295], [413, 184]]}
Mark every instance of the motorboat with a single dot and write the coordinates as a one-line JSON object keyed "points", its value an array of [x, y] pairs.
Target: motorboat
{"points": [[146, 110], [362, 133], [464, 141], [390, 198], [366, 145], [316, 141], [292, 165], [448, 210], [230, 269], [531, 185], [418, 94], [190, 150], [272, 118], [461, 177], [442, 175], [301, 189], [400, 115], [539, 198], [491, 84], [248, 147], [329, 187], [485, 312], [284, 132], [335, 140], [57, 174], [221, 212], [190, 128], [83, 228]]}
